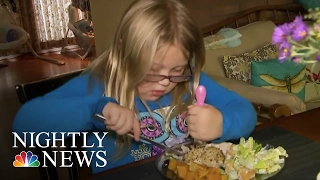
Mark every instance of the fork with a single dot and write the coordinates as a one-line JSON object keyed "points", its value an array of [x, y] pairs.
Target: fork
{"points": [[162, 146]]}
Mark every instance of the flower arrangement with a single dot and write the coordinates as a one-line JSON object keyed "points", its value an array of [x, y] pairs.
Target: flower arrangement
{"points": [[298, 42]]}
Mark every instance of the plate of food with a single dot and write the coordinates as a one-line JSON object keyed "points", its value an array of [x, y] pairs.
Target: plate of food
{"points": [[247, 160]]}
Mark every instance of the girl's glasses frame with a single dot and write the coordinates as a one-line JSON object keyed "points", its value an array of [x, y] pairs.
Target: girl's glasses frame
{"points": [[174, 79]]}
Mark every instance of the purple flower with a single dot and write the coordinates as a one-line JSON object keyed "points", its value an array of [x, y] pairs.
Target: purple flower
{"points": [[298, 20], [285, 51], [300, 30], [281, 33], [318, 57]]}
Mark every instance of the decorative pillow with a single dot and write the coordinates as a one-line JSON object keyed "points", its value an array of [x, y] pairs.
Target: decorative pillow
{"points": [[226, 37], [286, 77], [12, 35], [313, 82], [82, 25], [309, 4], [238, 67]]}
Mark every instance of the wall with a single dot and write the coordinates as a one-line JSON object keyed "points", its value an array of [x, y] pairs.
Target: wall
{"points": [[107, 13]]}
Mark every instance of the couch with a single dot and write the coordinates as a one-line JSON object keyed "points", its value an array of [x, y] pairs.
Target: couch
{"points": [[254, 35]]}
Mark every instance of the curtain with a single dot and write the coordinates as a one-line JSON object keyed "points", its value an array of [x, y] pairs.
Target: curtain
{"points": [[51, 19], [45, 21]]}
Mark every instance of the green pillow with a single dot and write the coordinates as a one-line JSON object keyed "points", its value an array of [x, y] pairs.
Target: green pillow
{"points": [[309, 4], [285, 77]]}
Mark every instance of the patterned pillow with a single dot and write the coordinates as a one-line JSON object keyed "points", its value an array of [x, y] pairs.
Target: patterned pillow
{"points": [[238, 67], [285, 77], [309, 4]]}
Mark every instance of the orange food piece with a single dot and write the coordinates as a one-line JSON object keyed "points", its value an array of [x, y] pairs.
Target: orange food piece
{"points": [[194, 171], [191, 175], [214, 170], [182, 170], [214, 176], [202, 173], [213, 173], [195, 167], [170, 174], [180, 163], [172, 164]]}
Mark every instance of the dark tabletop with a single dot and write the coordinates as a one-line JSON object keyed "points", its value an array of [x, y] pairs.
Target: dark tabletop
{"points": [[303, 161]]}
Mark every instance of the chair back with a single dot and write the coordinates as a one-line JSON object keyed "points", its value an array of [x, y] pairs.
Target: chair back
{"points": [[39, 88], [78, 27], [83, 40], [73, 14]]}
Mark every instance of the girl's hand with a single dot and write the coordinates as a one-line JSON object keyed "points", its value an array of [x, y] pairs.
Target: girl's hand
{"points": [[121, 120], [204, 122]]}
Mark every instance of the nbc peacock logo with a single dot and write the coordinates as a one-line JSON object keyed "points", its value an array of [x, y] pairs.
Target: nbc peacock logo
{"points": [[26, 159]]}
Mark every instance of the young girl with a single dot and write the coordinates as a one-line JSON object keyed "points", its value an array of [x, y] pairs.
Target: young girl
{"points": [[141, 83]]}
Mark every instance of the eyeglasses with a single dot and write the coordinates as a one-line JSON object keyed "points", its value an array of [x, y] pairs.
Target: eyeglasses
{"points": [[174, 79]]}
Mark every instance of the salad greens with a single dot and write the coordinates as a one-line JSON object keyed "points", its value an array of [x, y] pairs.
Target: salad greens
{"points": [[252, 158]]}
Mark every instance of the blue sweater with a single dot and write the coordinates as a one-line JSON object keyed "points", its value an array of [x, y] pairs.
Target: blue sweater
{"points": [[70, 108]]}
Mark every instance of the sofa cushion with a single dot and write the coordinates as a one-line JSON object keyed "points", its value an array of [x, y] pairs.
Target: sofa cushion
{"points": [[238, 67], [254, 36], [312, 92], [285, 77], [225, 38], [312, 105]]}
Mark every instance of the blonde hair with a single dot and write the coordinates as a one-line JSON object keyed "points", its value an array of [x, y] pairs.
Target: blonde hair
{"points": [[145, 26]]}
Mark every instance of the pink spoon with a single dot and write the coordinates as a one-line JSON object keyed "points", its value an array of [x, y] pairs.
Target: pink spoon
{"points": [[201, 95]]}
